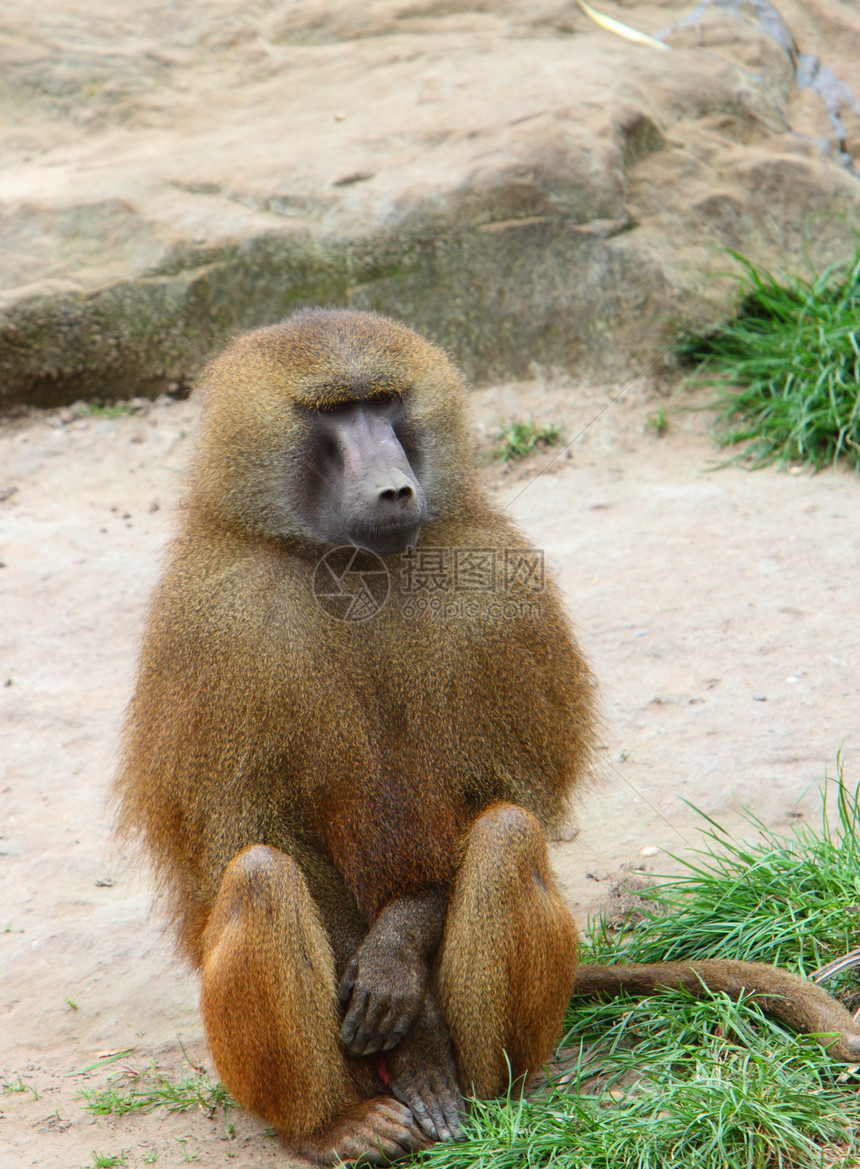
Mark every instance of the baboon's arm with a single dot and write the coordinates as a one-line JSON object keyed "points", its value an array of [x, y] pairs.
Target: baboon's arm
{"points": [[386, 982]]}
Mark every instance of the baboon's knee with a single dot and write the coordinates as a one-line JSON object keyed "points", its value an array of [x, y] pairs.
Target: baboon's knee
{"points": [[258, 866], [508, 827], [508, 841], [260, 884]]}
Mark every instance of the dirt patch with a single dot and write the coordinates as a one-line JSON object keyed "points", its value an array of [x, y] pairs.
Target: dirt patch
{"points": [[719, 609]]}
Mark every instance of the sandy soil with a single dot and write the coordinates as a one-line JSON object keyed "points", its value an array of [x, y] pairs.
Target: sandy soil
{"points": [[719, 609]]}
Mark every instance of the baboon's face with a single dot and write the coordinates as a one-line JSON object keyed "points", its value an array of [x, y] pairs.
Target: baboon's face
{"points": [[362, 485], [335, 427]]}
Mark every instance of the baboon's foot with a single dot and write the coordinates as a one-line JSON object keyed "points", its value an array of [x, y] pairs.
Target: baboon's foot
{"points": [[374, 1132]]}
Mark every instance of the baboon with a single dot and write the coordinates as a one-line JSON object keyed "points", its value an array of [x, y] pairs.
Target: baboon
{"points": [[346, 786]]}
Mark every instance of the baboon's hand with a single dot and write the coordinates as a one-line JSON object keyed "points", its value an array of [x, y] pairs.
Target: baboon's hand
{"points": [[424, 1075], [384, 986]]}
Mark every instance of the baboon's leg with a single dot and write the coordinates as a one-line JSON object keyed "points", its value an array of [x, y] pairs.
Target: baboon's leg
{"points": [[270, 1013], [508, 955]]}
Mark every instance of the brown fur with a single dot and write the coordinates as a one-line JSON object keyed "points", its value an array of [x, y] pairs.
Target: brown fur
{"points": [[299, 781]]}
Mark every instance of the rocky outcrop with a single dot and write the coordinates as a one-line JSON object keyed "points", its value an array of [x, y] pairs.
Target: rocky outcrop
{"points": [[509, 177]]}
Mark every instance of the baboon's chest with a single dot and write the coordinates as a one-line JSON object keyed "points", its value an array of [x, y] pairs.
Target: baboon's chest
{"points": [[401, 794], [388, 834]]}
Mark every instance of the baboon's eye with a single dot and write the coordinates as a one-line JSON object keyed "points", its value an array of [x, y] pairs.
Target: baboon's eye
{"points": [[334, 408], [379, 398], [383, 398]]}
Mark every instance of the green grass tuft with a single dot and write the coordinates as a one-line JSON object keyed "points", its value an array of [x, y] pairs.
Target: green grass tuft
{"points": [[793, 901], [658, 422], [98, 409], [8, 1086], [518, 439], [144, 1091], [788, 367], [730, 1107]]}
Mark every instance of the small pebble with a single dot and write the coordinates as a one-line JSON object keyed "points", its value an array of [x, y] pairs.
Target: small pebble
{"points": [[759, 698], [648, 850]]}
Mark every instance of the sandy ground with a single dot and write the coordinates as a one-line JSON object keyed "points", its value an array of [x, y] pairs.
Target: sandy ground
{"points": [[718, 607]]}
